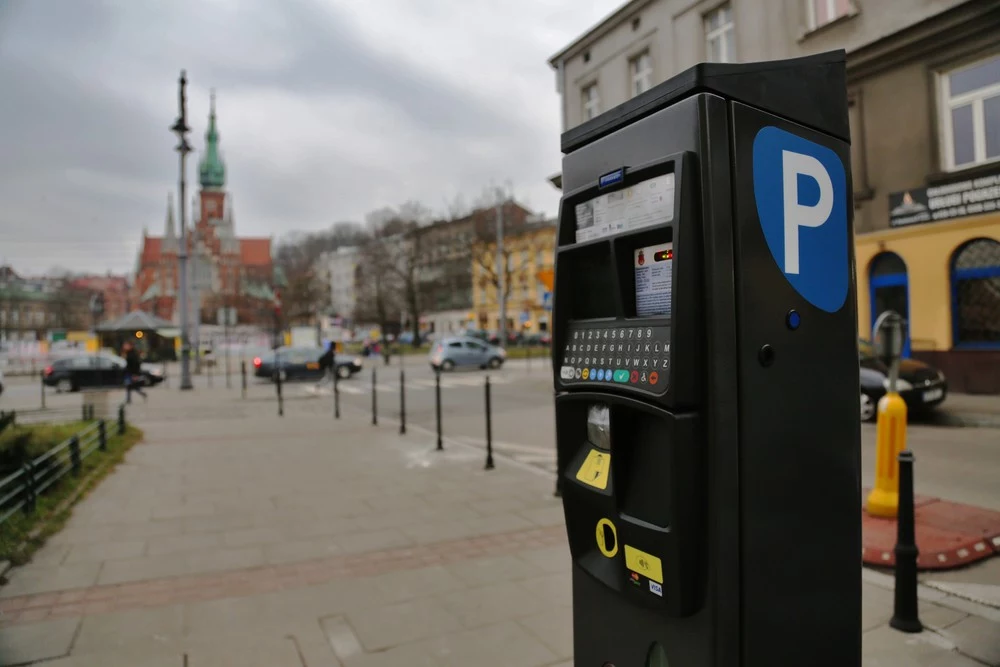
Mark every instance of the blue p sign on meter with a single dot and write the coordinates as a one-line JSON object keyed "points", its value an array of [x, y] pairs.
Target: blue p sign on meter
{"points": [[801, 192]]}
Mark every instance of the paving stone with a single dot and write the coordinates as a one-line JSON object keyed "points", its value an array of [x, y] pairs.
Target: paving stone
{"points": [[250, 651], [494, 603], [885, 647], [299, 550], [410, 584], [51, 554], [385, 627], [83, 553], [216, 560], [138, 569], [375, 540], [36, 641], [483, 571], [554, 628], [156, 629], [173, 544], [42, 579], [977, 638]]}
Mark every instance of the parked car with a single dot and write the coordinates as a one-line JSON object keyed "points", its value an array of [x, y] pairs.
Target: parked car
{"points": [[87, 371], [455, 351], [920, 385], [302, 363]]}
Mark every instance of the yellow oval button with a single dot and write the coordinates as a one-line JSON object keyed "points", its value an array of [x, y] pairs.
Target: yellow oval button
{"points": [[607, 538]]}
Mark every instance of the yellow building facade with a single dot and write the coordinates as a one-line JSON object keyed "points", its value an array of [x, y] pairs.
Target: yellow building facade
{"points": [[530, 253], [943, 275]]}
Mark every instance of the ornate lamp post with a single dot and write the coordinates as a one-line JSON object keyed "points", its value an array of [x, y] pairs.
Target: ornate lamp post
{"points": [[181, 128]]}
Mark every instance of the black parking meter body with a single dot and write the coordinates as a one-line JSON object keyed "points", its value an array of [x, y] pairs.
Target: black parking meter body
{"points": [[705, 359]]}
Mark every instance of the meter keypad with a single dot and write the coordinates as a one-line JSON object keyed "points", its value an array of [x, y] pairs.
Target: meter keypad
{"points": [[631, 355]]}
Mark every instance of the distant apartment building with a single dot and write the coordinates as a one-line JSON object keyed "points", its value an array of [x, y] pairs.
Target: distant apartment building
{"points": [[446, 264], [115, 290], [924, 103], [529, 251], [342, 272]]}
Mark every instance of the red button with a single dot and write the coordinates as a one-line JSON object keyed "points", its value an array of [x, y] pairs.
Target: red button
{"points": [[653, 377], [635, 377]]}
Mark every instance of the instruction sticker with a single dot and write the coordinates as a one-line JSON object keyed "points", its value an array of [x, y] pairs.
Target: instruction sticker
{"points": [[654, 271], [650, 202], [643, 563], [595, 469]]}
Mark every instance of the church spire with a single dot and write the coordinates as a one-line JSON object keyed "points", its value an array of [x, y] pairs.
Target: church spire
{"points": [[211, 170], [170, 231]]}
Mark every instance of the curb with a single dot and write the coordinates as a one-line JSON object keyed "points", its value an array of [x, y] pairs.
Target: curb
{"points": [[964, 420]]}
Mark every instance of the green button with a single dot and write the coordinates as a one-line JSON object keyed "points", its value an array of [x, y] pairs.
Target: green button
{"points": [[621, 375]]}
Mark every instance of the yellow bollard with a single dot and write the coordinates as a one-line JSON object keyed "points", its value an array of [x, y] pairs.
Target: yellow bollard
{"points": [[890, 440]]}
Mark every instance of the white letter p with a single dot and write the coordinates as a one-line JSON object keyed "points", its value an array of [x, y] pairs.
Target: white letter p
{"points": [[797, 215]]}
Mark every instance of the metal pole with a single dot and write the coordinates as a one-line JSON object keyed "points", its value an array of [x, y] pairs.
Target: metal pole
{"points": [[42, 385], [437, 408], [225, 335], [489, 429], [374, 400], [181, 128], [402, 402], [281, 398], [243, 373], [905, 615], [336, 387], [501, 263]]}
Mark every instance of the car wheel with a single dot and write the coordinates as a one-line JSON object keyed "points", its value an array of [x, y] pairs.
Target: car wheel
{"points": [[447, 365], [495, 362], [869, 408], [344, 372], [64, 386]]}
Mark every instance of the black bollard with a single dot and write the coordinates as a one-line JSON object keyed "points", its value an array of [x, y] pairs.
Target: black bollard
{"points": [[281, 398], [402, 402], [42, 384], [437, 407], [121, 419], [374, 400], [905, 614], [336, 394], [243, 374], [489, 429]]}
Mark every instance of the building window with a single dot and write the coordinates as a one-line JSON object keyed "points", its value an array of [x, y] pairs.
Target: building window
{"points": [[719, 35], [970, 114], [641, 68], [821, 12], [975, 290], [591, 102]]}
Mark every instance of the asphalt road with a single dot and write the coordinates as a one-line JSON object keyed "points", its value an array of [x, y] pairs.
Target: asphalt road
{"points": [[958, 464]]}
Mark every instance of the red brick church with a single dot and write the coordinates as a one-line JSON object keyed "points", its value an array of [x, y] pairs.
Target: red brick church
{"points": [[224, 270]]}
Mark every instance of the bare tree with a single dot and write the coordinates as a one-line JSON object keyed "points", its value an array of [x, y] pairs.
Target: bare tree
{"points": [[514, 218], [378, 294]]}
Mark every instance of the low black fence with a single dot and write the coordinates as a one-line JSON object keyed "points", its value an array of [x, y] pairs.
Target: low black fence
{"points": [[20, 490]]}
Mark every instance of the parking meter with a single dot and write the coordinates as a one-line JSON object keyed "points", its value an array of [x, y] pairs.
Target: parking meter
{"points": [[705, 360], [888, 336]]}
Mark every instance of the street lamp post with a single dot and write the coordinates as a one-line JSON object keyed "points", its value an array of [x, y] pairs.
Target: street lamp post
{"points": [[181, 128]]}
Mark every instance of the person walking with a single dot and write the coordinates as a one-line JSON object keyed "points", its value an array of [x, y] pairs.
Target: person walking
{"points": [[327, 364], [133, 369]]}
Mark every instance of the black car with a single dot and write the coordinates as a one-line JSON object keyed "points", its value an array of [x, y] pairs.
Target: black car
{"points": [[302, 363], [920, 385], [87, 371]]}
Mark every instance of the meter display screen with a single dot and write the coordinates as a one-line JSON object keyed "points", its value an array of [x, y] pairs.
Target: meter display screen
{"points": [[654, 271]]}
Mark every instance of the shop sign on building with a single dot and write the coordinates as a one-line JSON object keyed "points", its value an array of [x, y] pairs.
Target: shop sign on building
{"points": [[968, 197]]}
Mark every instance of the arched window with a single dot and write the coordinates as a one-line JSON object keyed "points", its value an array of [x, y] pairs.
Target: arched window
{"points": [[890, 290], [975, 294]]}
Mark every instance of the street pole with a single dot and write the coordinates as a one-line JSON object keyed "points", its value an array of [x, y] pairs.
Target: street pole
{"points": [[196, 288], [225, 336], [501, 264], [183, 148]]}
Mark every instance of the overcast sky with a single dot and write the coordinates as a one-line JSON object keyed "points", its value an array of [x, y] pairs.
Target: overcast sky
{"points": [[327, 109]]}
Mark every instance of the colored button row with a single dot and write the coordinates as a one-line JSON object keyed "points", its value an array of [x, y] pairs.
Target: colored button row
{"points": [[621, 376]]}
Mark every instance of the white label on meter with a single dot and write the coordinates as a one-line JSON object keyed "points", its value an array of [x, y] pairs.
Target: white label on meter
{"points": [[650, 202]]}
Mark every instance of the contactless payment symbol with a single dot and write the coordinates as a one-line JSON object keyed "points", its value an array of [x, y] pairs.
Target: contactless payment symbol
{"points": [[801, 193]]}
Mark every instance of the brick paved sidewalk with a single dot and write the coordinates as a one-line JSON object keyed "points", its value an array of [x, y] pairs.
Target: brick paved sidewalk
{"points": [[250, 540]]}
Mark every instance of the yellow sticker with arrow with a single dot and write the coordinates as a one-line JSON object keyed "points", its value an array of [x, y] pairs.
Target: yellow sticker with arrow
{"points": [[595, 469]]}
